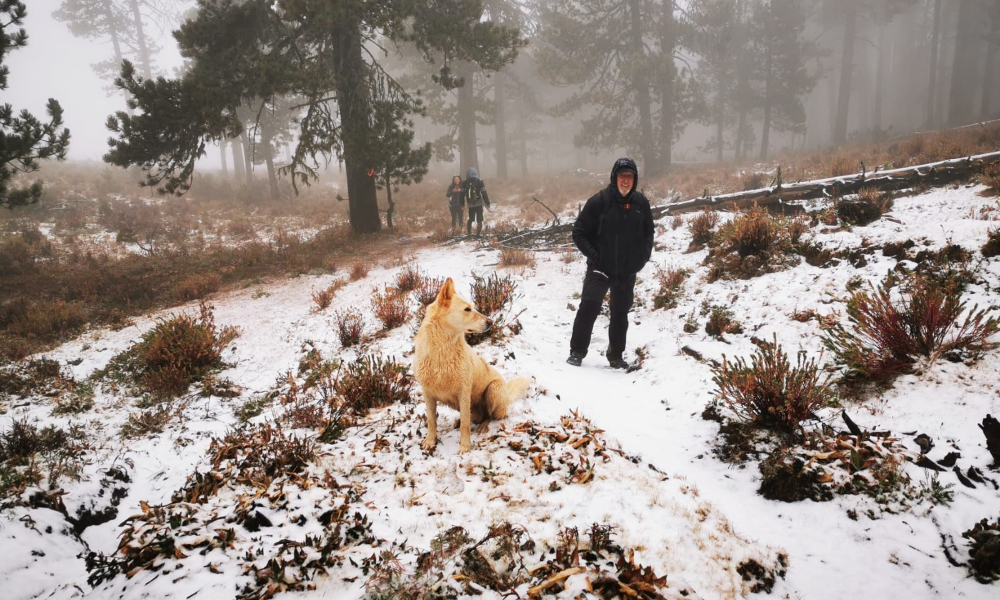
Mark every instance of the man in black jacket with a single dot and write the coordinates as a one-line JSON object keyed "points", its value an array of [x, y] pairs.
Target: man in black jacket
{"points": [[475, 196], [614, 230]]}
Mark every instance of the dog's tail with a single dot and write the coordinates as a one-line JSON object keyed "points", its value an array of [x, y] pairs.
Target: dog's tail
{"points": [[500, 394]]}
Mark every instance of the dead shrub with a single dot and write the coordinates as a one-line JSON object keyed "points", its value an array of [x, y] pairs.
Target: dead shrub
{"points": [[751, 232], [324, 297], [428, 290], [516, 257], [796, 227], [144, 422], [889, 332], [720, 322], [843, 165], [992, 246], [494, 297], [991, 178], [372, 382], [677, 221], [702, 226], [350, 327], [359, 270], [390, 308], [174, 354], [670, 281], [769, 391], [409, 279], [753, 181], [869, 206], [198, 286], [29, 454]]}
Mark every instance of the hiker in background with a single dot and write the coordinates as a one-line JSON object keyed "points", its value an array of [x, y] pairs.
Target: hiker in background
{"points": [[475, 197], [454, 195], [614, 230]]}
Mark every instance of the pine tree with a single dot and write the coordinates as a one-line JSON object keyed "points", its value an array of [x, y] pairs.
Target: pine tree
{"points": [[783, 56], [599, 47], [242, 52], [713, 25], [24, 140]]}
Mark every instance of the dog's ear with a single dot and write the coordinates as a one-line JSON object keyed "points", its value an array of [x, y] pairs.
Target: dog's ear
{"points": [[446, 294]]}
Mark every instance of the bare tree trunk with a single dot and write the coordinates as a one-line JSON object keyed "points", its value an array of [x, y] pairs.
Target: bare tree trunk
{"points": [[965, 68], [499, 97], [765, 128], [720, 115], [247, 158], [239, 163], [272, 176], [642, 91], [392, 205], [846, 69], [468, 152], [932, 83], [986, 105], [880, 66], [355, 118], [147, 69], [522, 136], [222, 155], [667, 73]]}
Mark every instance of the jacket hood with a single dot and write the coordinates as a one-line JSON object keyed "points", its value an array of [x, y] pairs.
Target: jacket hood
{"points": [[472, 173], [624, 164]]}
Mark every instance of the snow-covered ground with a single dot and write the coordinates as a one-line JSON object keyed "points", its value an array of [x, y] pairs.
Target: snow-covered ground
{"points": [[650, 472]]}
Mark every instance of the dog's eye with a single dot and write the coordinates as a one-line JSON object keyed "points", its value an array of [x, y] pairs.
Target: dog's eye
{"points": [[467, 309]]}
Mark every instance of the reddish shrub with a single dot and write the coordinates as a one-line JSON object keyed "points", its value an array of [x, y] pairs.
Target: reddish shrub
{"points": [[390, 308]]}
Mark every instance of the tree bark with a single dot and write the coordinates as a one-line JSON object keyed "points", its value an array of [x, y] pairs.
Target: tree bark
{"points": [[239, 164], [222, 156], [965, 69], [932, 76], [140, 37], [642, 91], [522, 136], [880, 66], [499, 97], [247, 158], [355, 119], [667, 73], [467, 143], [272, 175], [846, 70], [392, 205], [765, 128], [985, 111], [720, 116]]}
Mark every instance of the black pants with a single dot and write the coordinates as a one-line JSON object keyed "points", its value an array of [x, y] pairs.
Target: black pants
{"points": [[595, 286], [475, 214], [456, 217]]}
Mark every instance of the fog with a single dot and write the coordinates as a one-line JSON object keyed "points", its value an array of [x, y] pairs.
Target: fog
{"points": [[701, 74]]}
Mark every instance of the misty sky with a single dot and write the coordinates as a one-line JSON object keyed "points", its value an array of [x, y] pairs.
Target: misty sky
{"points": [[57, 65]]}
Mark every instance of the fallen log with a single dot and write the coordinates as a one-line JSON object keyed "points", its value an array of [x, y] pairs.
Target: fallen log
{"points": [[931, 175]]}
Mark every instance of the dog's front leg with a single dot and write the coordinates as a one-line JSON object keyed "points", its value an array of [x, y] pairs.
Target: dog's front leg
{"points": [[431, 440], [465, 417]]}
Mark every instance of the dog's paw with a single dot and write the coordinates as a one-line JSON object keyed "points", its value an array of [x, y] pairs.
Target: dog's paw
{"points": [[428, 444], [464, 446]]}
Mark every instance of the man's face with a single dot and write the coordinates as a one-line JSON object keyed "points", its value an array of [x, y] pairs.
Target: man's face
{"points": [[625, 182]]}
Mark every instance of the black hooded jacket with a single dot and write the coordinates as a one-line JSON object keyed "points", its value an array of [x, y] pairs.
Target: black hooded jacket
{"points": [[615, 233]]}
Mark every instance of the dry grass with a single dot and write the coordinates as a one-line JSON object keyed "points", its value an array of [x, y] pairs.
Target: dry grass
{"points": [[350, 327], [390, 308], [516, 257], [670, 289], [359, 270], [992, 246], [409, 278], [702, 226]]}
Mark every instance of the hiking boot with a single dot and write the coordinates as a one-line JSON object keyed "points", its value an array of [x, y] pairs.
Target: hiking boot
{"points": [[574, 359], [617, 363]]}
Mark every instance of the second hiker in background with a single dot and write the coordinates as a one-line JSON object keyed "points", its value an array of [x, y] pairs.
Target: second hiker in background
{"points": [[475, 196], [454, 195]]}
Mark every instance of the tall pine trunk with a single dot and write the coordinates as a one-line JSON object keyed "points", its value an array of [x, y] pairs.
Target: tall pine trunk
{"points": [[392, 205], [222, 156], [501, 123], [881, 57], [140, 36], [846, 70], [964, 71], [355, 118], [522, 136], [642, 98], [239, 164], [468, 153], [667, 73], [247, 158], [932, 78], [272, 175], [765, 128], [986, 105]]}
